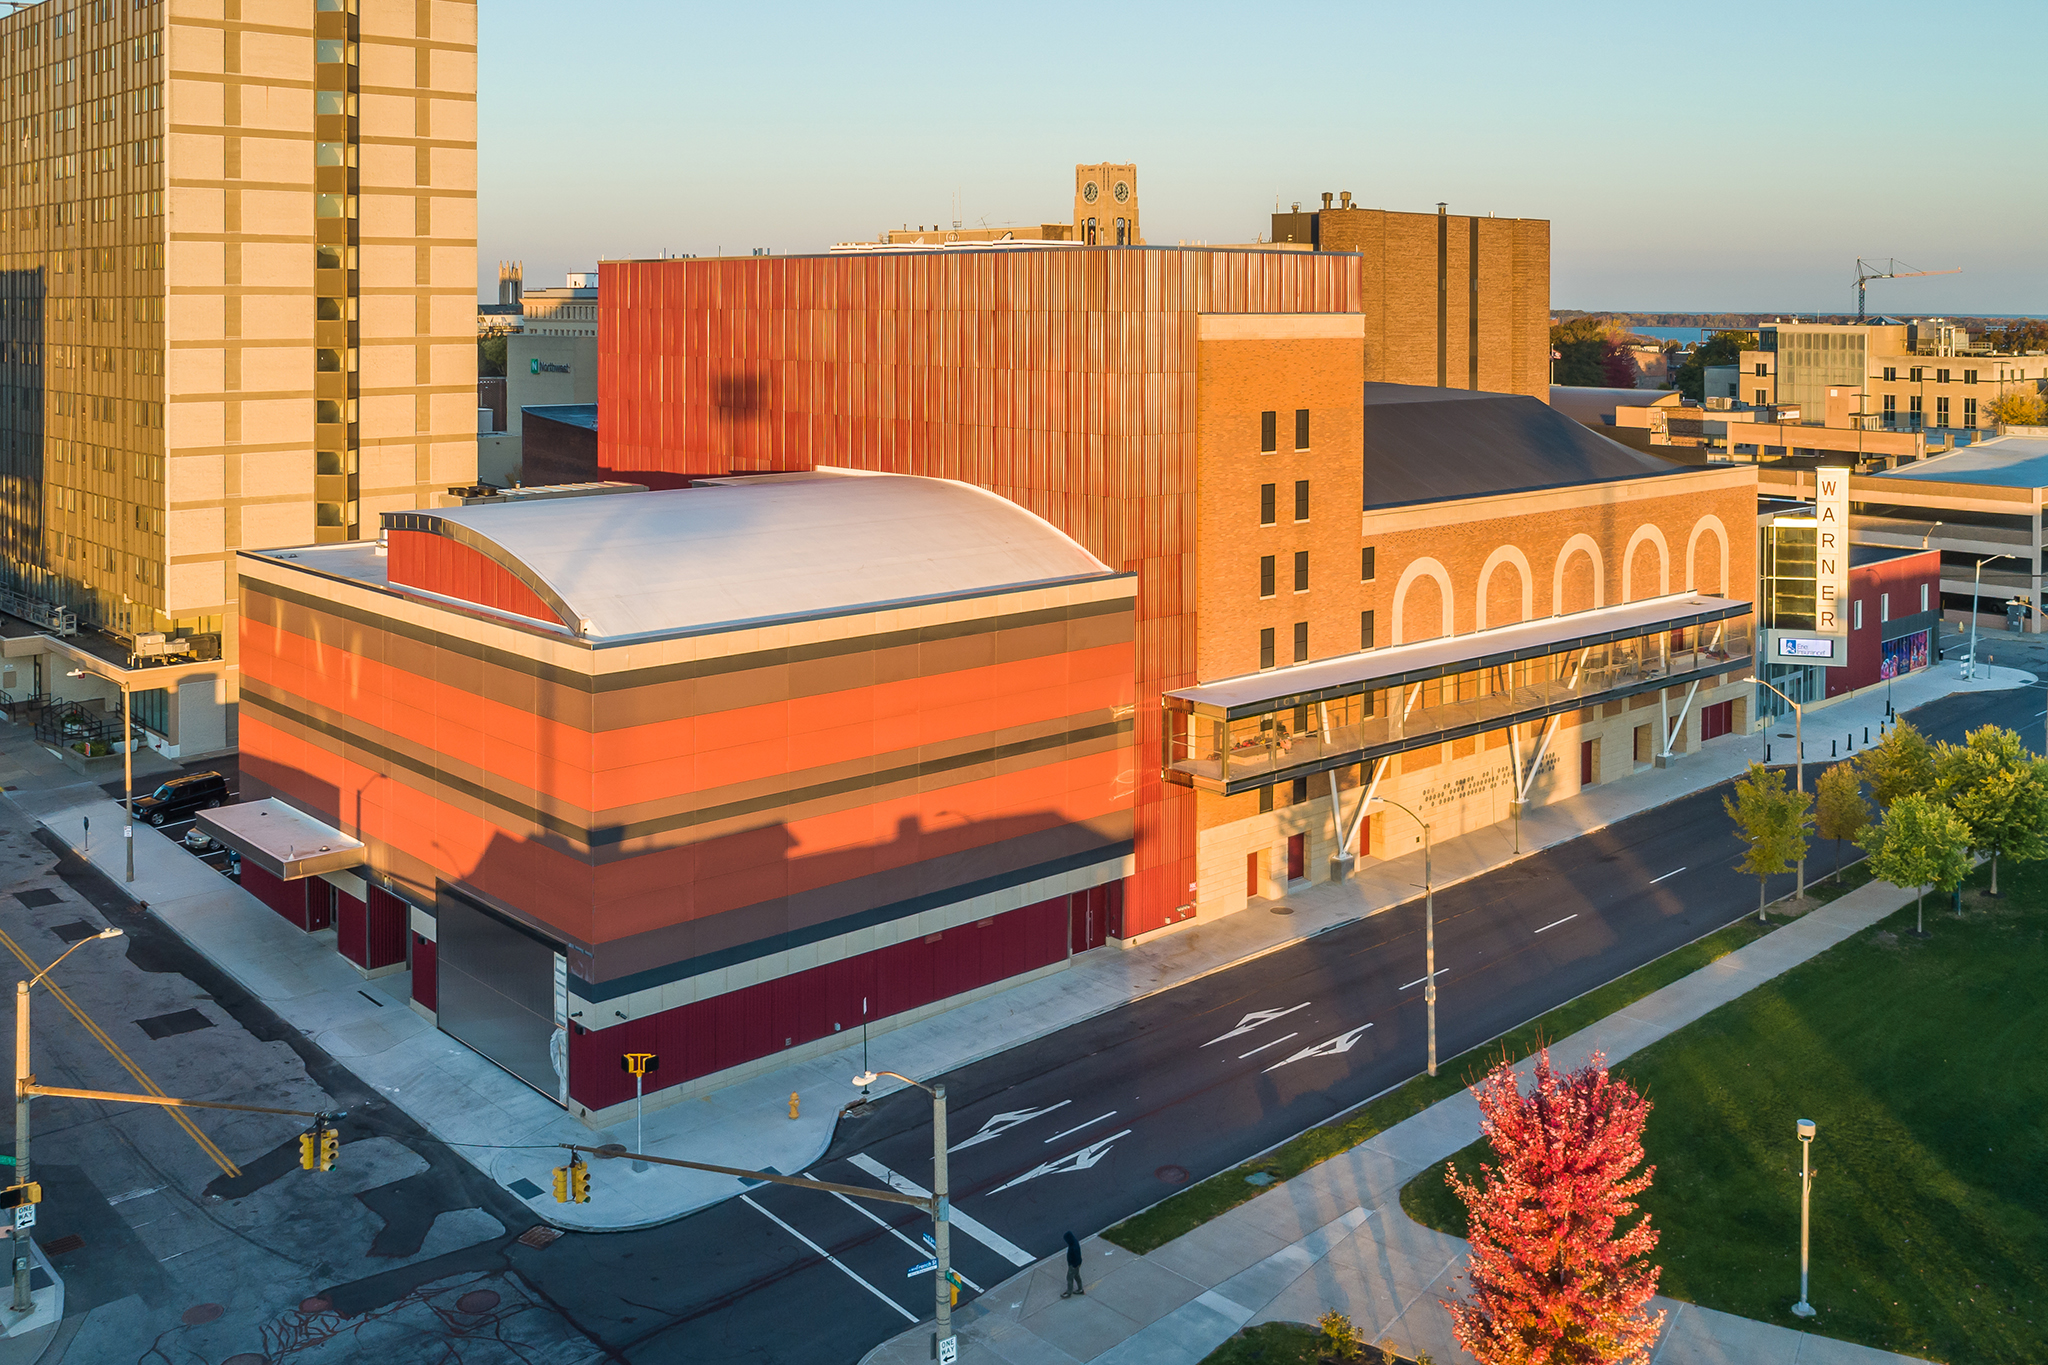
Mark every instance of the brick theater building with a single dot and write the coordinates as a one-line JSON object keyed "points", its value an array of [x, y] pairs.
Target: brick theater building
{"points": [[1121, 394], [730, 769]]}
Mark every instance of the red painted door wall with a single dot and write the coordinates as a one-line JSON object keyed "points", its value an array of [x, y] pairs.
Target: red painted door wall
{"points": [[1091, 911], [1297, 857], [425, 983], [756, 1021], [1717, 720], [370, 935], [1586, 763]]}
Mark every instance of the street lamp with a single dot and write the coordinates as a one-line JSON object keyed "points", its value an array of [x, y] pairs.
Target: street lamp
{"points": [[23, 1077], [127, 761], [1799, 759], [1806, 1130], [1976, 587], [942, 1339], [1428, 929]]}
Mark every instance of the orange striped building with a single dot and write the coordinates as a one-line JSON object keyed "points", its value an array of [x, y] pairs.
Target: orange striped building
{"points": [[715, 773]]}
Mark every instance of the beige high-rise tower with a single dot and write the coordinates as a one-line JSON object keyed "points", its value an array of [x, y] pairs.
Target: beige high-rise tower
{"points": [[240, 261], [1106, 205]]}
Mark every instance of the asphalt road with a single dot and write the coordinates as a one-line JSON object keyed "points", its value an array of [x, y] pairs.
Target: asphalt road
{"points": [[1082, 1128]]}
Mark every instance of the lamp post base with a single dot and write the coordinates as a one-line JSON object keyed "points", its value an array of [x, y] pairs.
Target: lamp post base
{"points": [[1803, 1309]]}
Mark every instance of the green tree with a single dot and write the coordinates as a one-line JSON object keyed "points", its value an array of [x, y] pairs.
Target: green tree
{"points": [[1898, 765], [2001, 792], [1581, 347], [1722, 348], [1841, 808], [1919, 843], [490, 355], [1774, 821], [2017, 408]]}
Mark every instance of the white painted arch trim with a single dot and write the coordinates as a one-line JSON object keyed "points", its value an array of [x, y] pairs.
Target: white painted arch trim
{"points": [[1708, 524], [1422, 568], [1655, 535], [1578, 544], [1506, 554]]}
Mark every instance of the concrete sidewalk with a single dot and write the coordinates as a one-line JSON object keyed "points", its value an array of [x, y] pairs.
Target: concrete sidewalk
{"points": [[1336, 1236], [509, 1130]]}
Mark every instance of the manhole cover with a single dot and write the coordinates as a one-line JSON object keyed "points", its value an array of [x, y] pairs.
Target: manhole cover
{"points": [[200, 1314], [1283, 909], [1259, 1178], [477, 1301], [63, 1246], [247, 1358], [1173, 1175], [319, 1303], [539, 1235]]}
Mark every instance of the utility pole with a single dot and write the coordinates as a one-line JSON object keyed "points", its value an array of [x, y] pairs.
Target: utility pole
{"points": [[1806, 1131]]}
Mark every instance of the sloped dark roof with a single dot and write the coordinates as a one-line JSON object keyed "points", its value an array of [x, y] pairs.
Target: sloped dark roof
{"points": [[1434, 445]]}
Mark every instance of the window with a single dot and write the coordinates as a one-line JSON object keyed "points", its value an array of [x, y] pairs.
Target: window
{"points": [[329, 50], [1913, 375], [330, 154], [1762, 398], [1365, 630], [1301, 570], [1923, 597], [1941, 411], [1365, 565], [1301, 642], [1297, 793], [1265, 803], [1761, 369], [1969, 376], [329, 310], [1884, 609], [1941, 376], [1913, 403], [1891, 406], [1266, 510], [1266, 648], [1301, 428], [1269, 432], [1969, 412], [1891, 374], [1301, 499], [1265, 575], [330, 206], [1856, 614], [326, 410], [330, 102]]}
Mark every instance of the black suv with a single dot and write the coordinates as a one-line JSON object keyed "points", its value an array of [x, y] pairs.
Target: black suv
{"points": [[179, 797]]}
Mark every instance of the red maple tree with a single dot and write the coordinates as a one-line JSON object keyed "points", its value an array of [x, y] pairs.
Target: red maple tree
{"points": [[1552, 1281]]}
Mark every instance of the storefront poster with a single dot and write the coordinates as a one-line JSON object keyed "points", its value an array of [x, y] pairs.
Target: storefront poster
{"points": [[1904, 655]]}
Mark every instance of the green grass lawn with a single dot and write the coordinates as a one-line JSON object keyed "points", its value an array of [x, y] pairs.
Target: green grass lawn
{"points": [[1921, 1062]]}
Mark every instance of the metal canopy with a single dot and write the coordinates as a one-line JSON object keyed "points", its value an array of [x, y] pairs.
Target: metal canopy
{"points": [[284, 842], [1327, 679]]}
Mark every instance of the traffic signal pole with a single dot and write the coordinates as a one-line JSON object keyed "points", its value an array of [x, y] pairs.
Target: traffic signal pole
{"points": [[22, 1081]]}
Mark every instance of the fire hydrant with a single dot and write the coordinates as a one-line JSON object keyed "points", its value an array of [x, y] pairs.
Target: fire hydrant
{"points": [[792, 1104]]}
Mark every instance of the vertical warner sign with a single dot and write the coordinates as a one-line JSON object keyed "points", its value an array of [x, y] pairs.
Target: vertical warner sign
{"points": [[1831, 558]]}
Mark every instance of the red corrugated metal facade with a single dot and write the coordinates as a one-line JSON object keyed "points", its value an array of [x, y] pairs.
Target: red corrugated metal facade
{"points": [[437, 564], [1062, 380]]}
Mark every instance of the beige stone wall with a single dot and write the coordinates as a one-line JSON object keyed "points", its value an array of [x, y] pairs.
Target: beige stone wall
{"points": [[242, 140]]}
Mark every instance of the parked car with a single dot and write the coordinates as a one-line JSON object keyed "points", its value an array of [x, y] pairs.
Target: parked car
{"points": [[180, 797], [200, 842]]}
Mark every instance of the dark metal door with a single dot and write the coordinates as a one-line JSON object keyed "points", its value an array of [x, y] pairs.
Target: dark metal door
{"points": [[497, 991]]}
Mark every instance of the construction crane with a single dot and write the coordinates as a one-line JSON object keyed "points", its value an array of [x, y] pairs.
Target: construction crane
{"points": [[1867, 271]]}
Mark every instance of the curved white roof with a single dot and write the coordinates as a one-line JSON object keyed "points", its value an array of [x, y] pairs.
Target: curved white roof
{"points": [[753, 550]]}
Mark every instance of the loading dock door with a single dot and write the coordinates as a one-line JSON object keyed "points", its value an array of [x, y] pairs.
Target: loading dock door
{"points": [[497, 991]]}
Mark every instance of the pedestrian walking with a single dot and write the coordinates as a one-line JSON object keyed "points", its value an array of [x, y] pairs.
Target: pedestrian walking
{"points": [[1073, 1268]]}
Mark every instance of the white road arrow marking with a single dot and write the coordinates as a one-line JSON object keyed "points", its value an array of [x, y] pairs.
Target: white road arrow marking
{"points": [[1343, 1042], [1072, 1161], [1003, 1123], [1254, 1020]]}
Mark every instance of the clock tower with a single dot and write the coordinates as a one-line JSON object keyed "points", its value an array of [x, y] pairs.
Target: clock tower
{"points": [[1106, 205]]}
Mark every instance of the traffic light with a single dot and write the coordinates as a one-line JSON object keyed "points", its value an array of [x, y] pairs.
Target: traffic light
{"points": [[579, 1182], [561, 1184], [309, 1151], [15, 1196], [330, 1148]]}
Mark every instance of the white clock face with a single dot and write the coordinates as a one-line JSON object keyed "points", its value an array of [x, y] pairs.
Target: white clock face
{"points": [[1089, 191], [1123, 192]]}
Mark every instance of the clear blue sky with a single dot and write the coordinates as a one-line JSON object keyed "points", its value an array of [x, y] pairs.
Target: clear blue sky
{"points": [[1715, 156]]}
